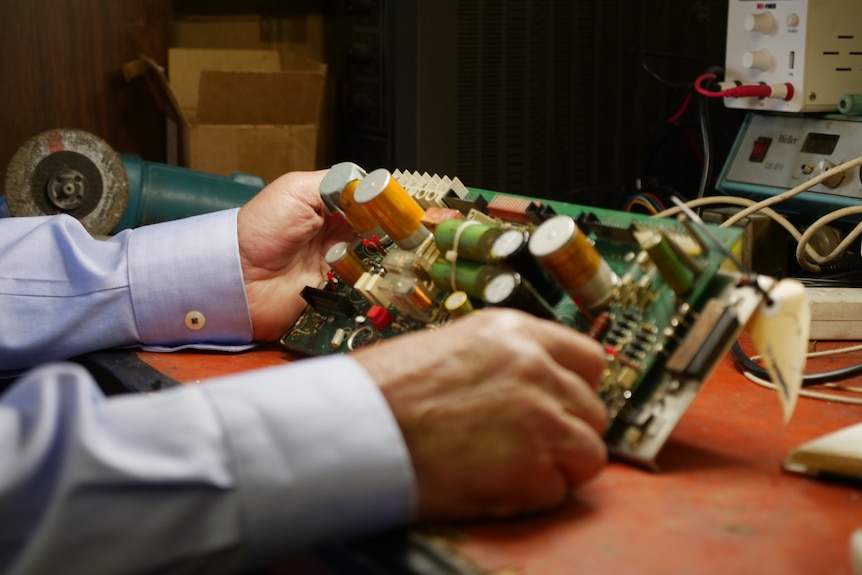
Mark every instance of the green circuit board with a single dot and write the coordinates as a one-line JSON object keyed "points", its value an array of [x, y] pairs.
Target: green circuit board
{"points": [[662, 341]]}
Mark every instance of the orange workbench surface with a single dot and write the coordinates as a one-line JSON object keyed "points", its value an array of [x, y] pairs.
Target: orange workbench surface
{"points": [[719, 505]]}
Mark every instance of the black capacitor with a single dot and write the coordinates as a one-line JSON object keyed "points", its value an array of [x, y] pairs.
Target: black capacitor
{"points": [[511, 249], [509, 289]]}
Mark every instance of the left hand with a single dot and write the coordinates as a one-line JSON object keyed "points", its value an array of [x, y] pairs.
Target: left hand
{"points": [[284, 233]]}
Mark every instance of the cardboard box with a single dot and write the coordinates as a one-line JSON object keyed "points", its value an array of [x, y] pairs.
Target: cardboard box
{"points": [[249, 111], [300, 34]]}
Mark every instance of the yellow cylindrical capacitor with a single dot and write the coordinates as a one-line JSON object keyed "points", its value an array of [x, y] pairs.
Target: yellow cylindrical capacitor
{"points": [[359, 218], [337, 188], [392, 208], [570, 257], [458, 303], [345, 262], [334, 181]]}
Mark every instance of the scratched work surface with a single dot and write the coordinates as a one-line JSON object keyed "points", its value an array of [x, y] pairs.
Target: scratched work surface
{"points": [[719, 505]]}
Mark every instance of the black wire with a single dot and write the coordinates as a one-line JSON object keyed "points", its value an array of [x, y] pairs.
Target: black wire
{"points": [[745, 363], [667, 56], [706, 133]]}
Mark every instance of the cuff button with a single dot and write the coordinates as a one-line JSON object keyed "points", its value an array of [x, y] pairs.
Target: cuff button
{"points": [[195, 320]]}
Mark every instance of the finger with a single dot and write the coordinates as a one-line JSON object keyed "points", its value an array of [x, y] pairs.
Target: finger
{"points": [[573, 350], [567, 347], [578, 398], [581, 454]]}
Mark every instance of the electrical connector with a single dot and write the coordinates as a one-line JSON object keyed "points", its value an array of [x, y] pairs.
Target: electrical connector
{"points": [[729, 89]]}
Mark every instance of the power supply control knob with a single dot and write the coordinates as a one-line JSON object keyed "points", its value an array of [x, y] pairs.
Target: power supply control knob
{"points": [[760, 60], [762, 22], [821, 167]]}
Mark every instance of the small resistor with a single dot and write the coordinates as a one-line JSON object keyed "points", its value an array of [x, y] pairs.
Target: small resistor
{"points": [[632, 354], [640, 344], [619, 332], [629, 320], [600, 326]]}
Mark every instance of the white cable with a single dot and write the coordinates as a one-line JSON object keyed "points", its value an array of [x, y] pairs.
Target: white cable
{"points": [[804, 392], [811, 258], [824, 353], [801, 247], [772, 200], [738, 201], [829, 352]]}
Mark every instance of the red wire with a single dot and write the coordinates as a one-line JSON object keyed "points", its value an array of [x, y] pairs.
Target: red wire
{"points": [[703, 91], [746, 91], [678, 114]]}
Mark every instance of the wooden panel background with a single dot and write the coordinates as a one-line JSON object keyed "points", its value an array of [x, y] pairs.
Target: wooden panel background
{"points": [[60, 67]]}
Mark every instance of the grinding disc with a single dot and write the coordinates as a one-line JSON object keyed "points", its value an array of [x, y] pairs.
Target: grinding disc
{"points": [[68, 171]]}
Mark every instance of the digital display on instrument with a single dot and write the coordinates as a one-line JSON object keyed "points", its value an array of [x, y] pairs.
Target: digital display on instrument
{"points": [[823, 144]]}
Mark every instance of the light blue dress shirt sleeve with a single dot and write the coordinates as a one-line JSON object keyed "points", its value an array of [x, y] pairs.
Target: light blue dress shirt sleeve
{"points": [[63, 293], [224, 475]]}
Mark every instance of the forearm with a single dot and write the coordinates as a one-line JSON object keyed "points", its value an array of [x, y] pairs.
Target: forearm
{"points": [[248, 467], [63, 293]]}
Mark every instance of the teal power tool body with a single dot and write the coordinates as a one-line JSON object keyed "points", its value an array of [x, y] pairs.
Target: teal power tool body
{"points": [[75, 172]]}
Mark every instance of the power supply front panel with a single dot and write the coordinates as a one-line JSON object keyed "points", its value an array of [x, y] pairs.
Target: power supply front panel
{"points": [[776, 152], [814, 45]]}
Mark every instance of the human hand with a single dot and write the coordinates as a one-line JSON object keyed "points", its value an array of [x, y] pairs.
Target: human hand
{"points": [[284, 233], [498, 410]]}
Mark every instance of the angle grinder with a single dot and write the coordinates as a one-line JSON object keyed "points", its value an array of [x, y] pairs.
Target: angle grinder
{"points": [[77, 173]]}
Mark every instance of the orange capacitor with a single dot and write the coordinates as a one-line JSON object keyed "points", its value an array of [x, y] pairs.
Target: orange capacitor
{"points": [[356, 214], [336, 190], [392, 208], [345, 262], [334, 181], [570, 257]]}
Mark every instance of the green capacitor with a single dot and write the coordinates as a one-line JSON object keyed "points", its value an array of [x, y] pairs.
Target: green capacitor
{"points": [[674, 271], [470, 277], [474, 239]]}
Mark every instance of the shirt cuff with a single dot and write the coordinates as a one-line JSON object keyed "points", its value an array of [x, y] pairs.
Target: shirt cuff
{"points": [[186, 281], [323, 461]]}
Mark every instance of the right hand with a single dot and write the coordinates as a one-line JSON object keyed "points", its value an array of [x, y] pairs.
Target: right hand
{"points": [[498, 410]]}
